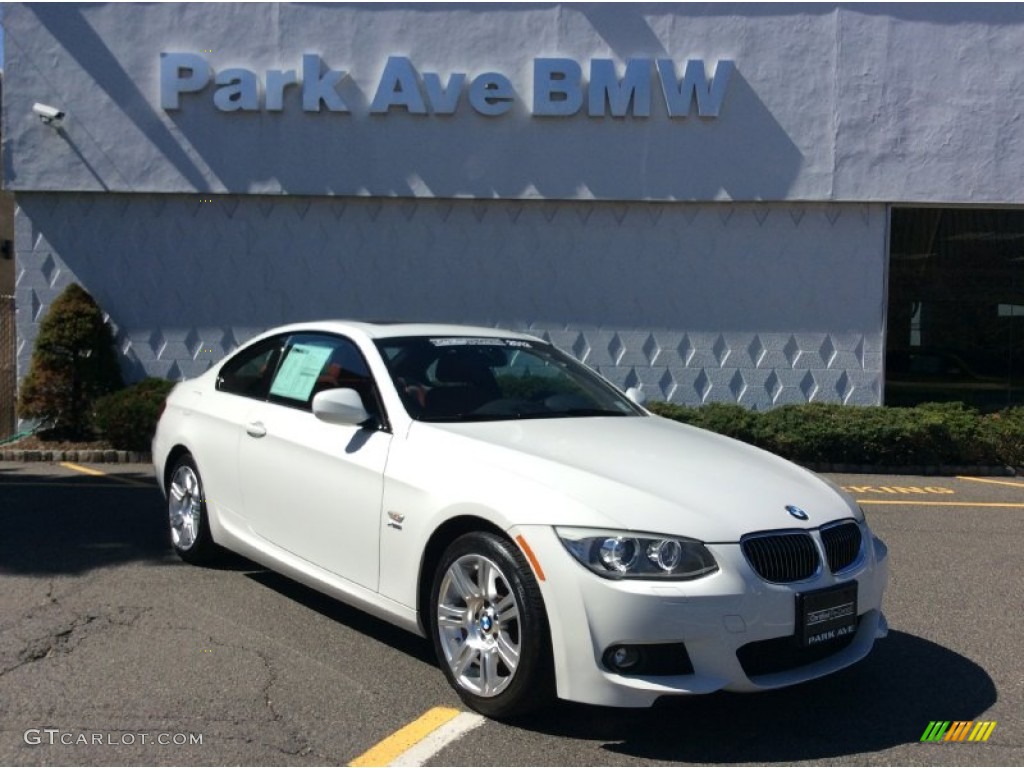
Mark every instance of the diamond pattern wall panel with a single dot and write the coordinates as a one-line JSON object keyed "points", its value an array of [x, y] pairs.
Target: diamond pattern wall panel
{"points": [[761, 304]]}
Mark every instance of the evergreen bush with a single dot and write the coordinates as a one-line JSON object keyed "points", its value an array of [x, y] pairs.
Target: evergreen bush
{"points": [[1005, 434], [127, 419], [73, 364]]}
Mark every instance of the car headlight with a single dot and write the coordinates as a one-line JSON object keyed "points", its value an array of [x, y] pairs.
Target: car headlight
{"points": [[626, 555]]}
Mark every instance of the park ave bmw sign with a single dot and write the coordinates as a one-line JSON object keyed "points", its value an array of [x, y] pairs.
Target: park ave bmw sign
{"points": [[559, 88]]}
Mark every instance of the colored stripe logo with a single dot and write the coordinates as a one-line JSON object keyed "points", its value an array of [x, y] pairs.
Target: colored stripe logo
{"points": [[958, 730]]}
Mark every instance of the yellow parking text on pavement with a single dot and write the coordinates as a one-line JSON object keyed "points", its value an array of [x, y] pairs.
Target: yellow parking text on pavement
{"points": [[899, 489]]}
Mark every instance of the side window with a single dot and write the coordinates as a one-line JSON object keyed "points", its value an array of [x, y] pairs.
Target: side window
{"points": [[313, 363], [248, 373]]}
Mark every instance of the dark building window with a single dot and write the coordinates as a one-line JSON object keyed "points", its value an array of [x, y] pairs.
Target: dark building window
{"points": [[956, 307]]}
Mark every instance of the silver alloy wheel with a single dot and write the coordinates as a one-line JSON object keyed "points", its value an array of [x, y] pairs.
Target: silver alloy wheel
{"points": [[184, 504], [478, 625]]}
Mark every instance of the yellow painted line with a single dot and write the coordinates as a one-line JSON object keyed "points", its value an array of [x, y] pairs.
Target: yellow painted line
{"points": [[108, 486], [83, 470], [97, 473], [404, 738], [894, 503], [986, 480], [420, 754]]}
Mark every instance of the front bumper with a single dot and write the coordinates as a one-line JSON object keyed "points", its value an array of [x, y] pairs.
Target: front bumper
{"points": [[714, 617]]}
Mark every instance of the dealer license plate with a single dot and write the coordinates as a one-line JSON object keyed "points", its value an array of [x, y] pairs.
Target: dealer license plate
{"points": [[826, 614]]}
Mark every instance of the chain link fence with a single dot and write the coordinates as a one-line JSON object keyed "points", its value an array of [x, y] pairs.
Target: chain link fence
{"points": [[8, 365]]}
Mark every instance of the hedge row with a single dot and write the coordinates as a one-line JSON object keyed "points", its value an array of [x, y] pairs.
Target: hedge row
{"points": [[929, 434], [127, 418]]}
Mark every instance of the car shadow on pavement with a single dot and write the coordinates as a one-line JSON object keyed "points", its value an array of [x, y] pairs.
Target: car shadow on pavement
{"points": [[60, 524], [884, 701], [68, 524], [353, 618]]}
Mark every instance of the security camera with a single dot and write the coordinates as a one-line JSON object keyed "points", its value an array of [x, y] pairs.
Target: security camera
{"points": [[49, 115]]}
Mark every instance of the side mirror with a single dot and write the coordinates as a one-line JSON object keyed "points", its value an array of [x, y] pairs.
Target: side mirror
{"points": [[634, 394], [340, 406]]}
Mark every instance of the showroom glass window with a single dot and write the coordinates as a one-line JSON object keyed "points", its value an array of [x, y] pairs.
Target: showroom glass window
{"points": [[956, 307]]}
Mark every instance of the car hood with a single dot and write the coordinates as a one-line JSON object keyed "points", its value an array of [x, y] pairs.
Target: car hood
{"points": [[648, 474]]}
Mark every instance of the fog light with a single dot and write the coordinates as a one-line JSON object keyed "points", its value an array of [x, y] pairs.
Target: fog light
{"points": [[621, 658], [667, 659]]}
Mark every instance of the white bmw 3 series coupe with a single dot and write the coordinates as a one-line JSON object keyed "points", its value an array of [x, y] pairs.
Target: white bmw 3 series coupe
{"points": [[546, 533]]}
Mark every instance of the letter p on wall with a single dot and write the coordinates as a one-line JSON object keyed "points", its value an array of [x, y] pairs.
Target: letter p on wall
{"points": [[181, 73]]}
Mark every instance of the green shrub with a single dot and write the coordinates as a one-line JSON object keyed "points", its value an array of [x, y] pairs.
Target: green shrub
{"points": [[953, 434], [731, 420], [682, 413], [1005, 433], [73, 364], [926, 435], [827, 432], [127, 419]]}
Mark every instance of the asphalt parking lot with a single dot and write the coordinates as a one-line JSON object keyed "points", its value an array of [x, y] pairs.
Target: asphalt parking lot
{"points": [[114, 652]]}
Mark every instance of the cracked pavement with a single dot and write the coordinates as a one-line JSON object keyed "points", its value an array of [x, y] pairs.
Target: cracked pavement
{"points": [[104, 631]]}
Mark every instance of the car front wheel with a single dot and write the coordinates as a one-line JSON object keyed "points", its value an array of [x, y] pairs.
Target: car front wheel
{"points": [[186, 509], [490, 630]]}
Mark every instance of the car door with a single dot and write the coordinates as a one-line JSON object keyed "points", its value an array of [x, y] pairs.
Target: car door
{"points": [[309, 487], [219, 416]]}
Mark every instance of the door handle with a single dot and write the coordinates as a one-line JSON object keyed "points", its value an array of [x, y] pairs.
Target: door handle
{"points": [[256, 429]]}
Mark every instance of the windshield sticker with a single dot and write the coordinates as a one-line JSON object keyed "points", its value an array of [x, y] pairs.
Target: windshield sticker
{"points": [[299, 371], [470, 342]]}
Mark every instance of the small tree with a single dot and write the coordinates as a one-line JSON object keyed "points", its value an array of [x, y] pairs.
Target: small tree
{"points": [[73, 364]]}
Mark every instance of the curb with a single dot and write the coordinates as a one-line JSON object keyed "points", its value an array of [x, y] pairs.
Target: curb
{"points": [[84, 457]]}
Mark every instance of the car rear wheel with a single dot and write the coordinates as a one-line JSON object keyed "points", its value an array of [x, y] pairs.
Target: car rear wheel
{"points": [[186, 510], [490, 630]]}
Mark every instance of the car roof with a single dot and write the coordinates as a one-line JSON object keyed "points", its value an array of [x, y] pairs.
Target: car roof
{"points": [[388, 329]]}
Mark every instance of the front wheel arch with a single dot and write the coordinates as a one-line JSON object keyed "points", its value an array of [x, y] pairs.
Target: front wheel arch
{"points": [[172, 460], [438, 542], [185, 497]]}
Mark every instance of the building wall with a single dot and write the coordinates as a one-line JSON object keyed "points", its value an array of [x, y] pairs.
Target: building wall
{"points": [[8, 329], [916, 103], [761, 304], [738, 257]]}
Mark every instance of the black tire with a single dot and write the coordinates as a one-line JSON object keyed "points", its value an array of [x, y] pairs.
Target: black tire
{"points": [[488, 629], [192, 541]]}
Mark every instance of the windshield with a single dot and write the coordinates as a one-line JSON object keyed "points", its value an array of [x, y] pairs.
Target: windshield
{"points": [[456, 378]]}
